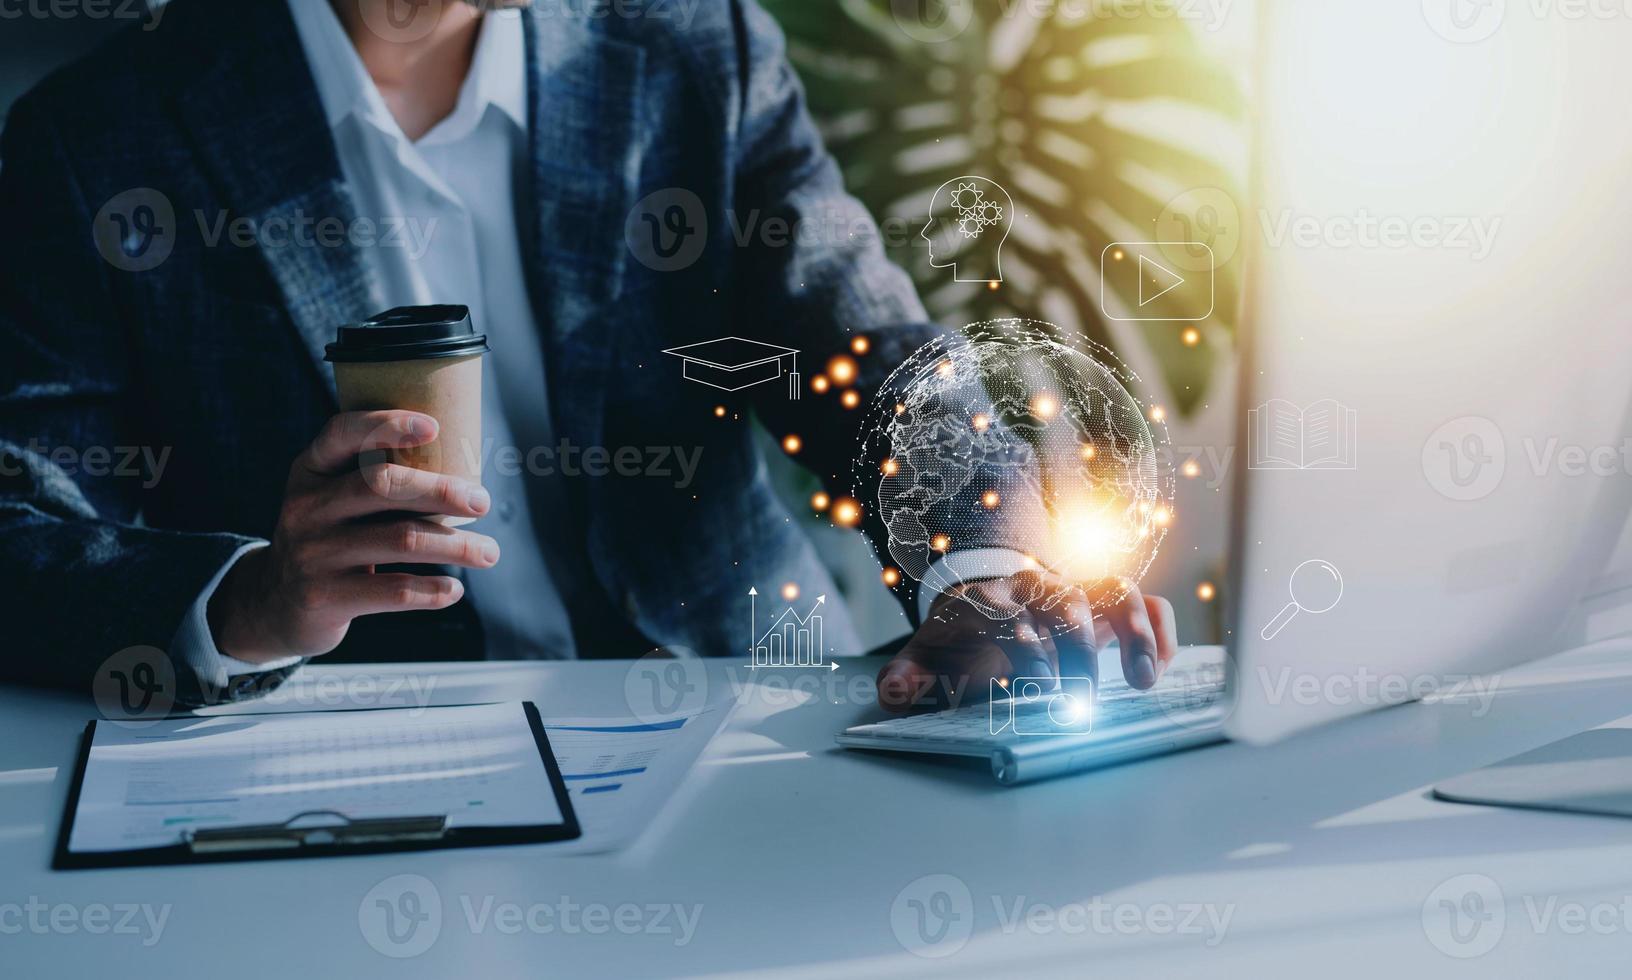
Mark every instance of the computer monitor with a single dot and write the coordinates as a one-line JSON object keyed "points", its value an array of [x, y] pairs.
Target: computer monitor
{"points": [[1437, 321]]}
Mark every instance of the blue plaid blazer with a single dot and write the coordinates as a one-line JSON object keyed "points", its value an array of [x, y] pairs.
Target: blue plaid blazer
{"points": [[211, 359]]}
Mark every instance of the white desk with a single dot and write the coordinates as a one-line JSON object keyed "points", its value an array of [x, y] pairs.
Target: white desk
{"points": [[1322, 850]]}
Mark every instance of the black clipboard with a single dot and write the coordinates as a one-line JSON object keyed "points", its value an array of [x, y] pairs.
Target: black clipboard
{"points": [[319, 833]]}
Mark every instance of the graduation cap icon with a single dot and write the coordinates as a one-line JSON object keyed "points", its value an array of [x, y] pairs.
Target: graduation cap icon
{"points": [[734, 363]]}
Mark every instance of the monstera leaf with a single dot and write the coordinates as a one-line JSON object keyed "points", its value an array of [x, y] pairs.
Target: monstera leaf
{"points": [[1049, 101]]}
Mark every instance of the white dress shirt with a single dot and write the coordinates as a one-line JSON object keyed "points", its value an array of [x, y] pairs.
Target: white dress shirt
{"points": [[451, 197]]}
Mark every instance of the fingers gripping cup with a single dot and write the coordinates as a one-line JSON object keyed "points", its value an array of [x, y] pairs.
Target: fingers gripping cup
{"points": [[420, 359]]}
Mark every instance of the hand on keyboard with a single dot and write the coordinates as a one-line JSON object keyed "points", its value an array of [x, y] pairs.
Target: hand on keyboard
{"points": [[957, 652]]}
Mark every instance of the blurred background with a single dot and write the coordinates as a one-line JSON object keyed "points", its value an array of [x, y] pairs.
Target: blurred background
{"points": [[1105, 121]]}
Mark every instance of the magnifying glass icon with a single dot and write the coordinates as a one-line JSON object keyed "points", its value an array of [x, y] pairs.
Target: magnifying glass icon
{"points": [[1316, 586]]}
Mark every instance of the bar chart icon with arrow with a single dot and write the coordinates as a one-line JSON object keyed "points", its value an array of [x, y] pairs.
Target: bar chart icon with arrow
{"points": [[791, 640]]}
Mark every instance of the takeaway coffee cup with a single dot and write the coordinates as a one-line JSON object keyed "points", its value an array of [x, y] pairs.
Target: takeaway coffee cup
{"points": [[421, 359]]}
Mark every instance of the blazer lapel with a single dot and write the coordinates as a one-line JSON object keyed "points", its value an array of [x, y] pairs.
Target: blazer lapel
{"points": [[264, 139], [583, 96]]}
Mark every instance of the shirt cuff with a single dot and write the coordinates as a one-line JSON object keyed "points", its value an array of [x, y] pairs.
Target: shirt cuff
{"points": [[974, 565], [194, 644]]}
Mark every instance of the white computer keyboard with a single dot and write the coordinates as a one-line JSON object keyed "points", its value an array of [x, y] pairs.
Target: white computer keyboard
{"points": [[1184, 693]]}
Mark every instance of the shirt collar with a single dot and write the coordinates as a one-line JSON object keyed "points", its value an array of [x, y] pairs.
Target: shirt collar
{"points": [[497, 78], [497, 72]]}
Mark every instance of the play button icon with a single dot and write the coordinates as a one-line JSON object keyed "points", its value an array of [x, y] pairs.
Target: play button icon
{"points": [[1137, 274], [1155, 280]]}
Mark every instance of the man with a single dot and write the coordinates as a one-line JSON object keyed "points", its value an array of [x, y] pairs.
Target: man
{"points": [[267, 148]]}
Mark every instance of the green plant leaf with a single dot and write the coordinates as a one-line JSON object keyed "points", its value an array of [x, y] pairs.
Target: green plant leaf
{"points": [[1051, 103]]}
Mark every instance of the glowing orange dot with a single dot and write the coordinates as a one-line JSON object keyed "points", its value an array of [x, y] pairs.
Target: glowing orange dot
{"points": [[790, 591], [890, 467], [861, 345], [846, 512], [719, 411], [1158, 413], [820, 384], [1206, 592], [892, 577], [900, 408], [1191, 336], [1118, 255], [1163, 517], [940, 542], [1089, 452], [819, 501], [992, 285], [1191, 469], [944, 369], [850, 399], [842, 370], [982, 423], [1044, 406], [989, 499], [792, 444]]}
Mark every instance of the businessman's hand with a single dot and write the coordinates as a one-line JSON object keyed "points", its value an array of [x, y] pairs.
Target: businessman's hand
{"points": [[339, 520], [954, 656]]}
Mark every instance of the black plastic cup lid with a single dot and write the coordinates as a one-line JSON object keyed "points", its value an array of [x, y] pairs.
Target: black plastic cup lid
{"points": [[408, 333]]}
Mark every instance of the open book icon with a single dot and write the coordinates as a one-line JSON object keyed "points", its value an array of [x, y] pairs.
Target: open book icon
{"points": [[1282, 436]]}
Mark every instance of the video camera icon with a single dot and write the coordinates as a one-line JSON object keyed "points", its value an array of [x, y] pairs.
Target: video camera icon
{"points": [[1042, 706]]}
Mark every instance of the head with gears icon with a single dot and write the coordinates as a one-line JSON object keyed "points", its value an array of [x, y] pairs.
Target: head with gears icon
{"points": [[969, 220]]}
